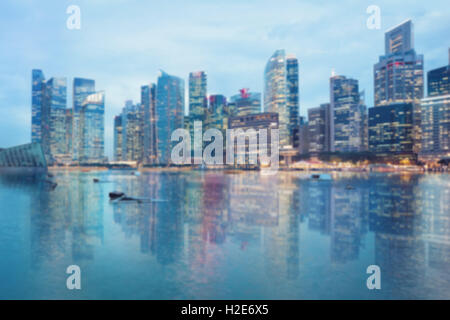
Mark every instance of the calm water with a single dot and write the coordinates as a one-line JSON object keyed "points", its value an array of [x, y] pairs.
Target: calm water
{"points": [[226, 236]]}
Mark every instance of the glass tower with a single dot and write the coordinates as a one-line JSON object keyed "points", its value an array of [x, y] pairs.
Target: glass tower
{"points": [[81, 89], [281, 94], [198, 102], [37, 89], [398, 75], [169, 113], [148, 101], [346, 116], [92, 119], [439, 81], [435, 127], [293, 93], [318, 126], [391, 130], [118, 138], [53, 119]]}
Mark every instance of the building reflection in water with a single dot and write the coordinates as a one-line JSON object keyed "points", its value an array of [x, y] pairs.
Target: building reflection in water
{"points": [[212, 217], [66, 222], [338, 209]]}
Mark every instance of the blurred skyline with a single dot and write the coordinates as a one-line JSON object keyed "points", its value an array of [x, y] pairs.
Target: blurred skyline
{"points": [[123, 44]]}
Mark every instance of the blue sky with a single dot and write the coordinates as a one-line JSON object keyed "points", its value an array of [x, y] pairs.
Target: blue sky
{"points": [[123, 43]]}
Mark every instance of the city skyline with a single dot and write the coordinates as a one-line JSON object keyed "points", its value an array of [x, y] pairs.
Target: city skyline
{"points": [[246, 71]]}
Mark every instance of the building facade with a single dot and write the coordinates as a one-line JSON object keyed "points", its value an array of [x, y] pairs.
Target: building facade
{"points": [[24, 156], [398, 75], [292, 77], [118, 136], [391, 131], [346, 115], [37, 97], [82, 88], [439, 81], [435, 128], [281, 94], [148, 102], [53, 118], [318, 129], [169, 113], [92, 119]]}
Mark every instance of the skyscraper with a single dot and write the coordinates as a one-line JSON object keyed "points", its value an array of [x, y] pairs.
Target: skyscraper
{"points": [[318, 129], [435, 116], [131, 132], [435, 127], [198, 102], [218, 113], [53, 119], [281, 93], [92, 120], [439, 80], [148, 101], [398, 75], [37, 89], [391, 131], [346, 116], [293, 93], [246, 102], [81, 89], [169, 113], [118, 138]]}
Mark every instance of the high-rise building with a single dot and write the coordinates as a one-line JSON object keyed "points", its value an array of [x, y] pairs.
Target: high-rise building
{"points": [[118, 138], [398, 75], [169, 113], [198, 102], [318, 129], [81, 89], [148, 102], [391, 131], [293, 93], [218, 113], [281, 94], [37, 89], [439, 80], [435, 116], [435, 127], [92, 129], [53, 118], [246, 102], [346, 115], [131, 132], [303, 136], [399, 38]]}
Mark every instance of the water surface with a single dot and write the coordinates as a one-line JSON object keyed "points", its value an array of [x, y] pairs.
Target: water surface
{"points": [[226, 236]]}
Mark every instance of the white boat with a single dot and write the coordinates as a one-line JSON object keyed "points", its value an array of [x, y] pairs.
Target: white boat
{"points": [[320, 177]]}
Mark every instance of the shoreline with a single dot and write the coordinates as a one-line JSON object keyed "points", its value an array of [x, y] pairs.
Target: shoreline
{"points": [[409, 169]]}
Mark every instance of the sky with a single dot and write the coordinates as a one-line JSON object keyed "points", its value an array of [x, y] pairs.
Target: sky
{"points": [[123, 43]]}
